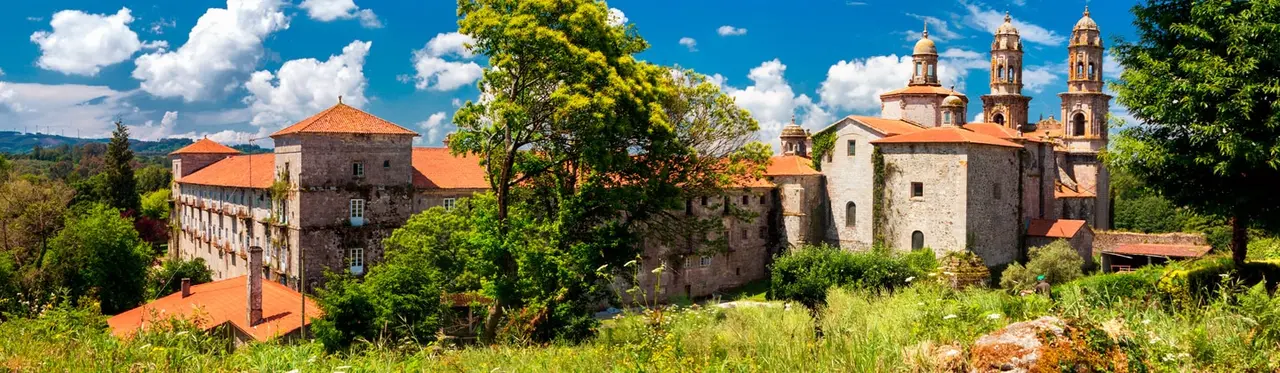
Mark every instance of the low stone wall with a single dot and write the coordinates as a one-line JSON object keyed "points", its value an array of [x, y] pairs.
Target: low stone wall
{"points": [[1107, 240]]}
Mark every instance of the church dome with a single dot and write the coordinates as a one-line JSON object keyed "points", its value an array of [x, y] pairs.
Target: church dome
{"points": [[952, 100], [1086, 23], [925, 46], [1007, 28], [793, 130]]}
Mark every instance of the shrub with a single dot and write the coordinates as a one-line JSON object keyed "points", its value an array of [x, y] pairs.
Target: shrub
{"points": [[1057, 261], [1106, 289], [805, 275], [168, 278], [1199, 281]]}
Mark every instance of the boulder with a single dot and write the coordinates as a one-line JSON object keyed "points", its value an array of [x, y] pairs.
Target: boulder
{"points": [[1017, 347]]}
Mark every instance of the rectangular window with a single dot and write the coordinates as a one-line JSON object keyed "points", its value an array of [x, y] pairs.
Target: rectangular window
{"points": [[704, 201], [704, 261], [852, 147], [762, 232], [995, 190], [744, 234], [357, 169], [355, 258], [745, 200], [762, 199], [449, 203], [917, 189], [357, 208]]}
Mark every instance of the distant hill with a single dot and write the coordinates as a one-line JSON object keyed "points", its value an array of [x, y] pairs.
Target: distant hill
{"points": [[21, 143]]}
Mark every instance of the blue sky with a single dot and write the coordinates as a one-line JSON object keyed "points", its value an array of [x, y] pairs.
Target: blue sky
{"points": [[236, 70]]}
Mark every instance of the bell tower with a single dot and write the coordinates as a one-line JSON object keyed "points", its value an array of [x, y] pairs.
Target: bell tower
{"points": [[1084, 113], [925, 59], [1006, 105]]}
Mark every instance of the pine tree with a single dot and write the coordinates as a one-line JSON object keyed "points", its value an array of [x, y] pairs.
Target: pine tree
{"points": [[121, 187]]}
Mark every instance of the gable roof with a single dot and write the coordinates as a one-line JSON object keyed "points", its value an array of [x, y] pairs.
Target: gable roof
{"points": [[1055, 228], [437, 168], [222, 302], [1148, 249], [885, 127], [790, 165], [1000, 132], [205, 146], [240, 171], [946, 134], [345, 119]]}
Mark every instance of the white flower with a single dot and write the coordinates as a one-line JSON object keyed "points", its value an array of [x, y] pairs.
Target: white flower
{"points": [[911, 278], [993, 316], [1146, 321], [949, 317]]}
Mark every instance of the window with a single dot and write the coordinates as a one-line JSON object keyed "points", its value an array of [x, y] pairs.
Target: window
{"points": [[762, 199], [917, 189], [449, 203], [1079, 70], [386, 164], [851, 147], [1010, 77], [357, 209], [704, 201], [688, 206], [746, 200], [999, 118], [1000, 73], [917, 240], [744, 234], [995, 190], [704, 261], [850, 214], [1077, 124], [1091, 70], [357, 169], [355, 259], [919, 69], [762, 231], [946, 118]]}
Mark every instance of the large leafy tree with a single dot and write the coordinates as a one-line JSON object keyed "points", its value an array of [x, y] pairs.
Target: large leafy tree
{"points": [[582, 143], [1201, 80], [122, 189], [99, 253], [31, 211]]}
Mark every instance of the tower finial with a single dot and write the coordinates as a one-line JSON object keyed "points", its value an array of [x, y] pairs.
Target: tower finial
{"points": [[1006, 17], [1086, 10], [339, 99], [793, 118], [925, 34]]}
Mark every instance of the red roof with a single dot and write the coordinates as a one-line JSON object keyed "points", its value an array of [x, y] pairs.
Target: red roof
{"points": [[790, 165], [888, 127], [1000, 132], [345, 119], [925, 90], [1057, 228], [946, 134], [205, 146], [436, 168], [222, 302], [241, 171], [1148, 249]]}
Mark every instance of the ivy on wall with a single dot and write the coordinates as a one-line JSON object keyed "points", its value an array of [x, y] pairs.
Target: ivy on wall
{"points": [[880, 204], [823, 143]]}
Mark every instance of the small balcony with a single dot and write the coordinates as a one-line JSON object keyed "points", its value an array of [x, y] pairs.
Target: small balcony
{"points": [[357, 270], [356, 222]]}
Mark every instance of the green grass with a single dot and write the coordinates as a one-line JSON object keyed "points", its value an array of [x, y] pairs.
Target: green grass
{"points": [[862, 332], [756, 290]]}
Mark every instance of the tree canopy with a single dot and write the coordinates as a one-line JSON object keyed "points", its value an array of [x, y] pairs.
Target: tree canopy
{"points": [[99, 253], [122, 189]]}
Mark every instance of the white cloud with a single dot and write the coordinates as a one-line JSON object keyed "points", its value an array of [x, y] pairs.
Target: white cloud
{"points": [[160, 25], [64, 108], [435, 73], [727, 30], [224, 45], [689, 43], [988, 20], [1, 72], [436, 127], [231, 137], [939, 30], [82, 44], [856, 85], [330, 10], [617, 17], [152, 131], [772, 102], [306, 86], [1111, 68], [1036, 78]]}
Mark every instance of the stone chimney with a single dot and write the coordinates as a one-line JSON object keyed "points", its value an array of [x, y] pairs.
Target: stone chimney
{"points": [[186, 287], [254, 284]]}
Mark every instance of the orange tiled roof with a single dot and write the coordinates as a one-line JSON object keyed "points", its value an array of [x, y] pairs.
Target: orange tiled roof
{"points": [[345, 119], [888, 127], [1055, 228], [1061, 190], [946, 134], [1177, 251], [925, 90], [240, 171], [436, 168], [205, 146], [222, 302], [1001, 132], [790, 165]]}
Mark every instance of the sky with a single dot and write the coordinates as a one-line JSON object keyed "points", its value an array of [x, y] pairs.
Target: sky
{"points": [[237, 70]]}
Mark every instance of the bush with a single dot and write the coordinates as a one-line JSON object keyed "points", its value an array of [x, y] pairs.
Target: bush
{"points": [[100, 254], [1058, 262], [1106, 289], [168, 278], [1148, 214], [804, 275], [1197, 282]]}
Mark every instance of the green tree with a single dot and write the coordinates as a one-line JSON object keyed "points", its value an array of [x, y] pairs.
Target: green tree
{"points": [[31, 211], [167, 279], [155, 205], [1058, 262], [1148, 214], [122, 189], [1200, 79], [99, 253], [152, 178]]}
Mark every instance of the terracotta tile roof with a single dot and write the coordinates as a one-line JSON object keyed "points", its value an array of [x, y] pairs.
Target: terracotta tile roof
{"points": [[925, 90], [240, 171], [205, 146], [888, 127], [222, 302], [1055, 228], [436, 168], [790, 165], [345, 119], [1002, 132], [1061, 190], [946, 134], [1148, 249]]}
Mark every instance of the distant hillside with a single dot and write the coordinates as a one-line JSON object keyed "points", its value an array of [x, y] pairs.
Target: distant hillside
{"points": [[21, 143]]}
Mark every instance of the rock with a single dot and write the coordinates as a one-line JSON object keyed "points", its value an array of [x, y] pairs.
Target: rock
{"points": [[929, 357], [1016, 348]]}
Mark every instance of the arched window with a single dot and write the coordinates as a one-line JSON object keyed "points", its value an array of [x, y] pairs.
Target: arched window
{"points": [[919, 69], [998, 118], [1079, 69], [1091, 70], [1011, 75], [850, 214], [1000, 72], [917, 240], [1077, 124], [932, 71]]}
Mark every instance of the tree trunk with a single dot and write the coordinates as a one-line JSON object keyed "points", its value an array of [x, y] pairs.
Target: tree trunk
{"points": [[1239, 240], [506, 263]]}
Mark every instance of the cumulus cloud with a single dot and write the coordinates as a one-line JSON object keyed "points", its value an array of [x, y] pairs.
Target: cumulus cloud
{"points": [[65, 108], [988, 20], [616, 17], [303, 87], [690, 43], [82, 43], [437, 127], [1111, 68], [856, 85], [1036, 78], [939, 30], [434, 72], [330, 10], [727, 30], [773, 103], [152, 131], [160, 25], [224, 45]]}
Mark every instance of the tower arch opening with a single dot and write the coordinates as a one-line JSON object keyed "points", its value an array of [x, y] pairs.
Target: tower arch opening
{"points": [[1077, 124], [998, 118]]}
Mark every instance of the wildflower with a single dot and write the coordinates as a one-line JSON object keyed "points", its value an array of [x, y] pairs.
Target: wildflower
{"points": [[993, 316], [1146, 321], [933, 275], [911, 278], [949, 317]]}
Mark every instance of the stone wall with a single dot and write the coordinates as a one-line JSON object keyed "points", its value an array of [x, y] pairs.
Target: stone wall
{"points": [[1109, 240], [993, 199], [940, 214], [1039, 171], [850, 179]]}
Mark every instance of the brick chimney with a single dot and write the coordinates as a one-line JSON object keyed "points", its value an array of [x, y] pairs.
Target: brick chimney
{"points": [[254, 285], [186, 287]]}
